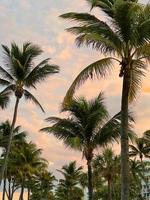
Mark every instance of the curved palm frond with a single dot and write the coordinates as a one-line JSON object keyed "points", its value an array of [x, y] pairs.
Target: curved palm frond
{"points": [[4, 99], [137, 73], [29, 96], [40, 72], [97, 69]]}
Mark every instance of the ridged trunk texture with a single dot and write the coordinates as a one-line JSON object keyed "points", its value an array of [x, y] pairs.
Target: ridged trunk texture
{"points": [[90, 180], [4, 188], [109, 190], [124, 137]]}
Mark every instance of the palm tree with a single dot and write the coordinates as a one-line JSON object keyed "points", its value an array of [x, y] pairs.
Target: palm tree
{"points": [[87, 128], [124, 38], [42, 186], [140, 149], [27, 161], [69, 185], [5, 128], [19, 74], [107, 165]]}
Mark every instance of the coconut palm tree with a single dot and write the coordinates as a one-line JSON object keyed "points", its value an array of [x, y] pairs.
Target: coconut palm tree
{"points": [[87, 128], [108, 166], [5, 128], [123, 37], [42, 186], [69, 185], [19, 138], [21, 73], [27, 162], [140, 149]]}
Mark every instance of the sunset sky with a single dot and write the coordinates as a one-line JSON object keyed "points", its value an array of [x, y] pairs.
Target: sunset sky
{"points": [[38, 21]]}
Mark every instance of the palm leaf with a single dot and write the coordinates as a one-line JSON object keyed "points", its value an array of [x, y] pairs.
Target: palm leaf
{"points": [[138, 70], [40, 72], [29, 96], [4, 99], [5, 74], [97, 69], [4, 82]]}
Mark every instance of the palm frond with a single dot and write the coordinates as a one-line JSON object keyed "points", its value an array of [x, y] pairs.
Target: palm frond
{"points": [[40, 72], [107, 6], [9, 88], [4, 82], [5, 74], [98, 69], [138, 70], [29, 96], [82, 18], [4, 99]]}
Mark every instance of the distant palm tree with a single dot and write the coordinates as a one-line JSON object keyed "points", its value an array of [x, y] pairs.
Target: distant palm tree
{"points": [[108, 166], [69, 185], [41, 186], [5, 128], [19, 74], [140, 149], [18, 139], [124, 38], [27, 161], [88, 127]]}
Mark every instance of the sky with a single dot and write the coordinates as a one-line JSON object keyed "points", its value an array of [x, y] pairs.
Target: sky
{"points": [[38, 22]]}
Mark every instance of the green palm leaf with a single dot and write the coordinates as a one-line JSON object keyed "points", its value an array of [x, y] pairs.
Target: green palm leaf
{"points": [[98, 69], [29, 96]]}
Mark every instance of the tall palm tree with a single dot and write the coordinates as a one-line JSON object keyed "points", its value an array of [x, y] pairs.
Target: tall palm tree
{"points": [[124, 39], [87, 128], [108, 166], [21, 73]]}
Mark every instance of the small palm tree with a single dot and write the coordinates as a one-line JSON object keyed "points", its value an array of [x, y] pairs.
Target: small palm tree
{"points": [[71, 181], [108, 166], [123, 38], [18, 139], [27, 161], [41, 186], [5, 128], [19, 74], [87, 128], [140, 149]]}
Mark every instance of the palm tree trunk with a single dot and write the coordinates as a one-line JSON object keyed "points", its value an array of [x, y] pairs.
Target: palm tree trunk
{"points": [[9, 188], [9, 140], [22, 192], [29, 193], [90, 180], [4, 188], [109, 190], [124, 137]]}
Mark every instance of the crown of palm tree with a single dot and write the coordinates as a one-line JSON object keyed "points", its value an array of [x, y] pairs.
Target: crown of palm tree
{"points": [[5, 128], [123, 36], [87, 127], [20, 72], [141, 148]]}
